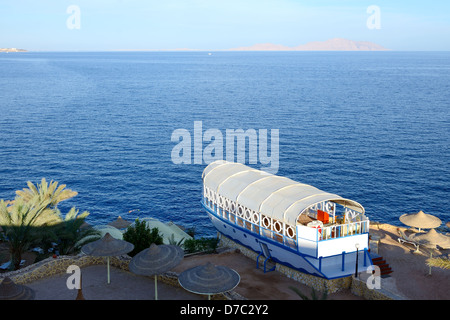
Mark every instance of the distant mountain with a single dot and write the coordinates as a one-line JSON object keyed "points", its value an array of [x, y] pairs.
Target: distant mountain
{"points": [[337, 44]]}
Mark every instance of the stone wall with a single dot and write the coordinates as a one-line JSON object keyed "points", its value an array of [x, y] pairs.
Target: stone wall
{"points": [[50, 267], [54, 266], [319, 284], [360, 288], [357, 286]]}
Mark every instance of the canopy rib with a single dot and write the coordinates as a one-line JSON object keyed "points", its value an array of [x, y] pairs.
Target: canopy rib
{"points": [[274, 196]]}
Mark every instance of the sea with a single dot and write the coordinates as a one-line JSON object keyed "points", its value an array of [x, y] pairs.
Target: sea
{"points": [[373, 127]]}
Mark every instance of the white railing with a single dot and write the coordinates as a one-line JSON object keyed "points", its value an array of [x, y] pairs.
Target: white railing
{"points": [[344, 230]]}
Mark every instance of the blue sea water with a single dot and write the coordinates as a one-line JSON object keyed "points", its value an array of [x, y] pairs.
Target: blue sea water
{"points": [[370, 126]]}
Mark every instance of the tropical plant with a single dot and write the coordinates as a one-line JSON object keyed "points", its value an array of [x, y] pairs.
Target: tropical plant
{"points": [[141, 236], [201, 245], [47, 191], [24, 222], [190, 245], [69, 232], [172, 241], [443, 263], [33, 217]]}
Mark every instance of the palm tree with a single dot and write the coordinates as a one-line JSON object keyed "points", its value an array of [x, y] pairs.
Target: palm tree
{"points": [[70, 233], [443, 263], [33, 215], [22, 223], [47, 192]]}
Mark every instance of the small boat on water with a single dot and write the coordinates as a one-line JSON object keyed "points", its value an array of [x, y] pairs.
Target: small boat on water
{"points": [[291, 223]]}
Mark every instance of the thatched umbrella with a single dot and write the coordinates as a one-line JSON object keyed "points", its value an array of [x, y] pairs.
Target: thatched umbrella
{"points": [[209, 279], [432, 239], [107, 247], [120, 223], [420, 220], [448, 224], [156, 260], [12, 291]]}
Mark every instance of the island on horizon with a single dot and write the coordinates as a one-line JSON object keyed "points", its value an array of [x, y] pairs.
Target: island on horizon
{"points": [[12, 50], [336, 44]]}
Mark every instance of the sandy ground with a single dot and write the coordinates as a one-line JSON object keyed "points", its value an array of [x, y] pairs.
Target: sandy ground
{"points": [[410, 278], [123, 286], [255, 284]]}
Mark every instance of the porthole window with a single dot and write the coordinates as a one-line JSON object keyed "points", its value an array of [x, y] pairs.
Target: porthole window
{"points": [[247, 214], [290, 232], [240, 211], [227, 204], [266, 222], [277, 226], [255, 217]]}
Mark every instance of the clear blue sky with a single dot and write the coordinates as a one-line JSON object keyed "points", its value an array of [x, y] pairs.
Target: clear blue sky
{"points": [[219, 24]]}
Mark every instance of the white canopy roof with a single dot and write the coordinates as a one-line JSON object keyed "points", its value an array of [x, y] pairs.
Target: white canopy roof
{"points": [[274, 196]]}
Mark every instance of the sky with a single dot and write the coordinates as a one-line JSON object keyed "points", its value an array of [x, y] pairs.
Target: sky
{"points": [[103, 25]]}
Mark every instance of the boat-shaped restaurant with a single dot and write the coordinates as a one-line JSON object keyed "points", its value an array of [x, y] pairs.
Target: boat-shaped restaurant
{"points": [[294, 224]]}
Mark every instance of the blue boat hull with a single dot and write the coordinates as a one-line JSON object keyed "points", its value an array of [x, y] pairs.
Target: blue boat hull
{"points": [[328, 268]]}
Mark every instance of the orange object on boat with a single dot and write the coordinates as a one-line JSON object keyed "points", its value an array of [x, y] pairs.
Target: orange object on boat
{"points": [[323, 216]]}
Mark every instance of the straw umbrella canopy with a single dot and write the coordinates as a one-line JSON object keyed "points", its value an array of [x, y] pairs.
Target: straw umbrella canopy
{"points": [[209, 279], [107, 247], [155, 260], [420, 220], [448, 224], [120, 223], [432, 239], [12, 291]]}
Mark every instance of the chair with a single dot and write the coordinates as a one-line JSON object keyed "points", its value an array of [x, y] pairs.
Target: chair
{"points": [[266, 253], [6, 265], [405, 239], [323, 216]]}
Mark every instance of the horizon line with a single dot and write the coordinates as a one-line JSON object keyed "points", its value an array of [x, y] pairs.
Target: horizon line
{"points": [[215, 50]]}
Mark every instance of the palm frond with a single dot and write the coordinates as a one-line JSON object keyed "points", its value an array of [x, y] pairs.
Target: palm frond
{"points": [[443, 263], [47, 191]]}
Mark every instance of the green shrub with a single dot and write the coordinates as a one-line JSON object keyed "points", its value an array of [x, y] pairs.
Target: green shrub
{"points": [[141, 236], [201, 245]]}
